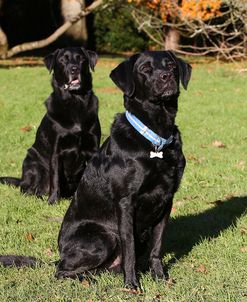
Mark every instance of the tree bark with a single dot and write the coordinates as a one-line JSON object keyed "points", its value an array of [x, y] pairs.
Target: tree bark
{"points": [[3, 42], [53, 37], [69, 9], [171, 38]]}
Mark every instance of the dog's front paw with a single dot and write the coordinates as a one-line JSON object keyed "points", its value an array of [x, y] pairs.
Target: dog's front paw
{"points": [[53, 198], [132, 284], [156, 269]]}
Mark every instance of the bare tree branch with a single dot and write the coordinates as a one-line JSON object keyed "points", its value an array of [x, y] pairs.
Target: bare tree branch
{"points": [[61, 30], [3, 42], [223, 35]]}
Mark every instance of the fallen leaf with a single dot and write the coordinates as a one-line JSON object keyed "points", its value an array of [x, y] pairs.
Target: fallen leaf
{"points": [[240, 165], [48, 252], [243, 230], [191, 157], [170, 282], [85, 283], [27, 128], [173, 210], [218, 144], [229, 196], [131, 291], [157, 297], [195, 159], [202, 269], [244, 249], [29, 237]]}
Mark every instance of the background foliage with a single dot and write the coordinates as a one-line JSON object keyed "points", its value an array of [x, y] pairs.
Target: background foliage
{"points": [[205, 27], [115, 31]]}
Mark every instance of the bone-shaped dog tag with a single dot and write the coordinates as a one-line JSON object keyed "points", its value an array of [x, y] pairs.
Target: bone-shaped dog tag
{"points": [[156, 154]]}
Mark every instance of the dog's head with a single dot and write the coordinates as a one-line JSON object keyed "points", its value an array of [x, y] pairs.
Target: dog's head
{"points": [[152, 75], [71, 67]]}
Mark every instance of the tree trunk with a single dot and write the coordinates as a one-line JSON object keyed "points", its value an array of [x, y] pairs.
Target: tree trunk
{"points": [[71, 8], [61, 30], [3, 42], [171, 38]]}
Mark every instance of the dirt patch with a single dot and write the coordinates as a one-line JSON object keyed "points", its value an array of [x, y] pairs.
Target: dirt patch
{"points": [[108, 90], [1, 103], [22, 61], [110, 63]]}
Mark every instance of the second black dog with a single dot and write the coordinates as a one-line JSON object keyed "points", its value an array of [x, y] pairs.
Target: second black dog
{"points": [[69, 132], [123, 202]]}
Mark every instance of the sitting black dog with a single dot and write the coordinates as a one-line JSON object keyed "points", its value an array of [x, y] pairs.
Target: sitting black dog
{"points": [[121, 208], [69, 132], [122, 205]]}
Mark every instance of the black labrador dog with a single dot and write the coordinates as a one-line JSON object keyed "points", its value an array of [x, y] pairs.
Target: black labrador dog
{"points": [[69, 132], [122, 205]]}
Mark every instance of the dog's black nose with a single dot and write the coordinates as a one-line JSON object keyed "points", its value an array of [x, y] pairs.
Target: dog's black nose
{"points": [[74, 69], [165, 75]]}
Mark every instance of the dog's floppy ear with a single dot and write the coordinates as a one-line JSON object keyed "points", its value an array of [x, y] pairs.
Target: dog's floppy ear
{"points": [[50, 59], [122, 75], [184, 70], [91, 56]]}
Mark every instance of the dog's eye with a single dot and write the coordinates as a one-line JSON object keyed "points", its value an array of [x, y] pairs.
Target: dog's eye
{"points": [[146, 68], [64, 59], [78, 58], [170, 65]]}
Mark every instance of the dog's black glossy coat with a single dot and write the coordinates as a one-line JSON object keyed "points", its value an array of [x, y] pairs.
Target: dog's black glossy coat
{"points": [[122, 205], [69, 132]]}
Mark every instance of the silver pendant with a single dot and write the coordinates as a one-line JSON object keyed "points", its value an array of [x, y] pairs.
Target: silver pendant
{"points": [[156, 154]]}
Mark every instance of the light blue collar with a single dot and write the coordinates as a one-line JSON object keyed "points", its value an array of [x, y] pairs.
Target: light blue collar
{"points": [[158, 141]]}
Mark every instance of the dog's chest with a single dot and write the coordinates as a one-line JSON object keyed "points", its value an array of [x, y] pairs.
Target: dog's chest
{"points": [[68, 130], [158, 183], [70, 136], [76, 129], [156, 190]]}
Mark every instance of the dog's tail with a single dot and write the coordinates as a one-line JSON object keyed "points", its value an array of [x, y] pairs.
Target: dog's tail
{"points": [[18, 261], [12, 181]]}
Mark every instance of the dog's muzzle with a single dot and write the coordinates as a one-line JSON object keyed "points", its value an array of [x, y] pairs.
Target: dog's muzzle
{"points": [[164, 90], [74, 83]]}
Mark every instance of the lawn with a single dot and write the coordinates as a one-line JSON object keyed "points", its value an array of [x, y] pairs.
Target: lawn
{"points": [[206, 242]]}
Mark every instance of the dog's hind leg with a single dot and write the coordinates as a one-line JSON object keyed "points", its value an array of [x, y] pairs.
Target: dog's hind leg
{"points": [[88, 248]]}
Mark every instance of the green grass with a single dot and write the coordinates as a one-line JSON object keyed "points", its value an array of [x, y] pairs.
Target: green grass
{"points": [[207, 236]]}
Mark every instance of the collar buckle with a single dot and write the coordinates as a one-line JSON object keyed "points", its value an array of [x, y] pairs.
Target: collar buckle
{"points": [[157, 141]]}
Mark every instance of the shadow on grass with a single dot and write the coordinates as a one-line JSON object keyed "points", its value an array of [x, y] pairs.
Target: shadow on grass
{"points": [[183, 233]]}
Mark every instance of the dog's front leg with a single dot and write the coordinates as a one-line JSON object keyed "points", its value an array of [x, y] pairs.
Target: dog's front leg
{"points": [[126, 231], [54, 176], [92, 140], [157, 244]]}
